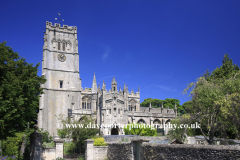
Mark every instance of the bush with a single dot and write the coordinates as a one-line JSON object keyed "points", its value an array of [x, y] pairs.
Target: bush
{"points": [[78, 134], [68, 148], [11, 146], [140, 129], [45, 136], [62, 133], [52, 144], [99, 142]]}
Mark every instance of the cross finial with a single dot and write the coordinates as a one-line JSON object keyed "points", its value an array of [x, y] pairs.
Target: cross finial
{"points": [[59, 19]]}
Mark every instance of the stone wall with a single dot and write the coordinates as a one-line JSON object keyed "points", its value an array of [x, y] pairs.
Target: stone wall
{"points": [[128, 138], [119, 151], [48, 153], [100, 152], [190, 152], [95, 152]]}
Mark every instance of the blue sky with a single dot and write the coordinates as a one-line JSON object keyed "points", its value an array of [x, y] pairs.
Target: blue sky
{"points": [[159, 45]]}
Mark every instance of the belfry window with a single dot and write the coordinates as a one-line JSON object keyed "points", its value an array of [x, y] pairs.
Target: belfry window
{"points": [[63, 46], [59, 46], [61, 84]]}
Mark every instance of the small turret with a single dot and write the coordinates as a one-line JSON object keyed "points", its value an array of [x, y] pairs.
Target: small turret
{"points": [[124, 89], [94, 85], [150, 106], [175, 110], [114, 85], [104, 86], [99, 89], [162, 107], [138, 89]]}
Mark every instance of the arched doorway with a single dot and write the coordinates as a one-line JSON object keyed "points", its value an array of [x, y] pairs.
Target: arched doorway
{"points": [[114, 131], [167, 128], [157, 123], [141, 121]]}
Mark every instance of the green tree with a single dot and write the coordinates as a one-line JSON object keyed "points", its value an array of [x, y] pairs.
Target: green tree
{"points": [[11, 146], [168, 102], [156, 103], [19, 92], [79, 134], [177, 133], [215, 100], [171, 103], [226, 71], [187, 106]]}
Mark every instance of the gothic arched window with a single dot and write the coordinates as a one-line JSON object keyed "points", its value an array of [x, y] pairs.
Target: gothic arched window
{"points": [[59, 46], [132, 105], [63, 46], [86, 103]]}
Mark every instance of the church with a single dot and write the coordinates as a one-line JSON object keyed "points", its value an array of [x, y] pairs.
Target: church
{"points": [[64, 95]]}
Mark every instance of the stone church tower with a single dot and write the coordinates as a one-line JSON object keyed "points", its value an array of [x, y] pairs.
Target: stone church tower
{"points": [[60, 66], [64, 95]]}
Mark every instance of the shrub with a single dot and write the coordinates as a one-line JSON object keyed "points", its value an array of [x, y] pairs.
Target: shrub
{"points": [[45, 136], [140, 129], [68, 148], [79, 135], [99, 142], [62, 133], [81, 158], [11, 146], [51, 144]]}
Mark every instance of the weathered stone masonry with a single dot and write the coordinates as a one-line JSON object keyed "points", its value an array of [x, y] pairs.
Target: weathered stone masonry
{"points": [[189, 152], [64, 95]]}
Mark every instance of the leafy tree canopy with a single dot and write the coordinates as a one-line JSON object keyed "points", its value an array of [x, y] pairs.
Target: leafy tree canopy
{"points": [[168, 102], [226, 71], [19, 92], [216, 101], [187, 106]]}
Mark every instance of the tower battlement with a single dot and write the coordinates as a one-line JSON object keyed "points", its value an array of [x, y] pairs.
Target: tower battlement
{"points": [[57, 26]]}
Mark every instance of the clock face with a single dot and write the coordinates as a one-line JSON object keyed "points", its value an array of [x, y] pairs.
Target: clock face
{"points": [[61, 57]]}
